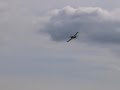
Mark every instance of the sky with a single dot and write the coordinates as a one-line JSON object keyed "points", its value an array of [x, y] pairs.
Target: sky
{"points": [[34, 54]]}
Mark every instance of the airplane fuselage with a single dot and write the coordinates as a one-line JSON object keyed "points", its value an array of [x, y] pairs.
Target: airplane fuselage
{"points": [[72, 37]]}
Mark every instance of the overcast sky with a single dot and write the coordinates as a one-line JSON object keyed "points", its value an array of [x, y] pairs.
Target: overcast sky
{"points": [[34, 54]]}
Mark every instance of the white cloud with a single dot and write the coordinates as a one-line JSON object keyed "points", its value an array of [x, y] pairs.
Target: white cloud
{"points": [[94, 24]]}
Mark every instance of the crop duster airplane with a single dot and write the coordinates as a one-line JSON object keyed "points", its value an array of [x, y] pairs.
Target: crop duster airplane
{"points": [[73, 37]]}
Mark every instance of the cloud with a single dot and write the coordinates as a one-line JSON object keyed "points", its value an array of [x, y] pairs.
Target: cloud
{"points": [[93, 23], [53, 83], [16, 23]]}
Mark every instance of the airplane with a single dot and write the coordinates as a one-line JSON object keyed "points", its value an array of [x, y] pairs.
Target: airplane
{"points": [[73, 37]]}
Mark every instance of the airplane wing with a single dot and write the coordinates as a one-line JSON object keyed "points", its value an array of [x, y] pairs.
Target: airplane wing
{"points": [[76, 34], [69, 39]]}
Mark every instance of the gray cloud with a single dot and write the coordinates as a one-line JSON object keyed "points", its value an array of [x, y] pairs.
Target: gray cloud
{"points": [[94, 24], [16, 23]]}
